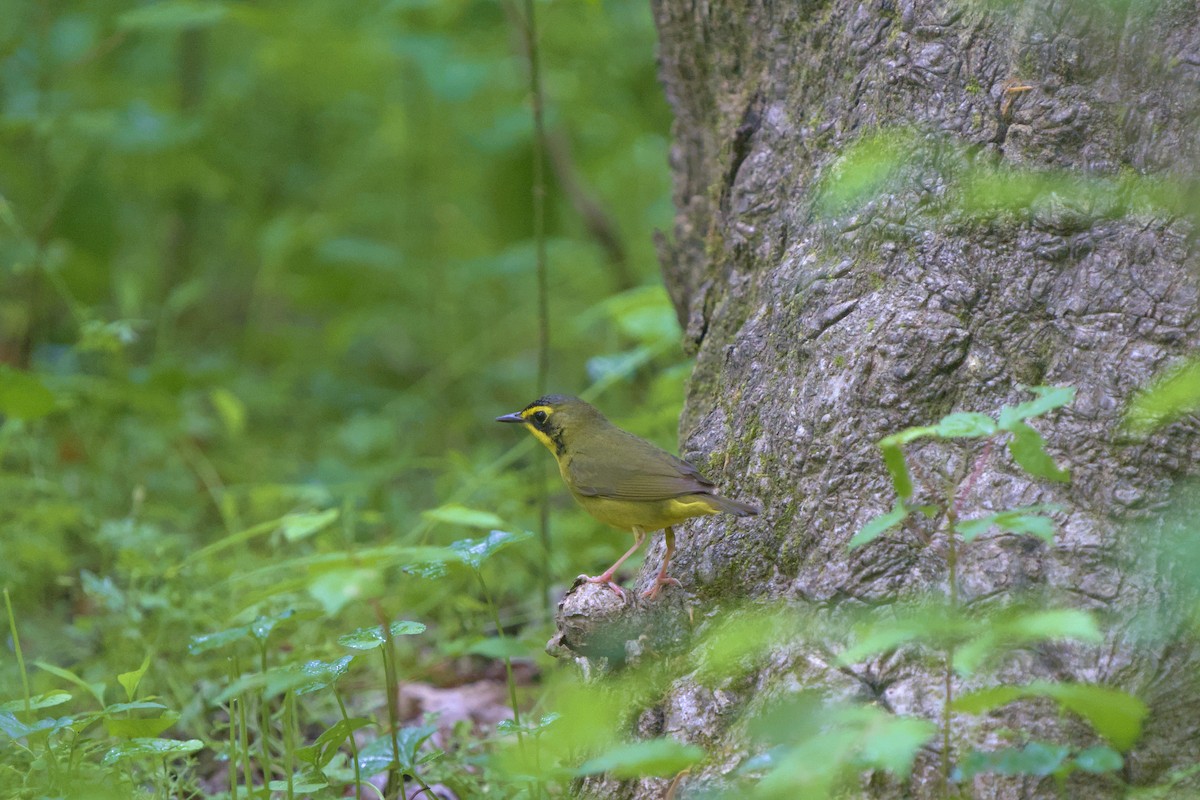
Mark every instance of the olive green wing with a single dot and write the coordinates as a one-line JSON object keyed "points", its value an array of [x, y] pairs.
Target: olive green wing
{"points": [[633, 469]]}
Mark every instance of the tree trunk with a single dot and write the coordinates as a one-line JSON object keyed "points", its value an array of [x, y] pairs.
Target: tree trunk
{"points": [[820, 328]]}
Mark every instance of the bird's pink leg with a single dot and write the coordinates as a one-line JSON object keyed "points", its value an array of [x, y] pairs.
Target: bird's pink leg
{"points": [[662, 580], [639, 536]]}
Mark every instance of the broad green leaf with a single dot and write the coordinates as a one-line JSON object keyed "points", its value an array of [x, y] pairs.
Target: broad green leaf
{"points": [[336, 589], [1166, 399], [173, 15], [230, 409], [965, 424], [96, 689], [508, 726], [500, 647], [262, 628], [47, 700], [892, 743], [323, 750], [1027, 520], [323, 674], [156, 748], [654, 757], [370, 638], [134, 727], [1026, 627], [1029, 450], [377, 755], [454, 514], [23, 395], [13, 728], [1035, 758], [1114, 714], [475, 551], [893, 459], [879, 525], [876, 639], [300, 526], [131, 680], [204, 642], [304, 783], [1099, 759], [1049, 398]]}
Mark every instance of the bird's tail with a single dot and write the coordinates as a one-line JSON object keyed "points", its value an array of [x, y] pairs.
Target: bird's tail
{"points": [[727, 506]]}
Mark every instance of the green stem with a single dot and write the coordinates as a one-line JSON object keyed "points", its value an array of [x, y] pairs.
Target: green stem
{"points": [[353, 745], [948, 675], [264, 722], [395, 777], [12, 627], [289, 740]]}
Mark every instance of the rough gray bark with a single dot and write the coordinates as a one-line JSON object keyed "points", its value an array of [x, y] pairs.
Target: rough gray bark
{"points": [[816, 335]]}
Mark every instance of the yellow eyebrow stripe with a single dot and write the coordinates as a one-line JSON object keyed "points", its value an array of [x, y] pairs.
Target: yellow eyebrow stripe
{"points": [[529, 412]]}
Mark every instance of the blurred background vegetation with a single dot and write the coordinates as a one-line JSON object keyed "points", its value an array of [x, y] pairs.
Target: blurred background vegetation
{"points": [[266, 277]]}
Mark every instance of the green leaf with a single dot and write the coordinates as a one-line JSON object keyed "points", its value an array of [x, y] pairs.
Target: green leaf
{"points": [[965, 424], [654, 757], [323, 674], [173, 15], [23, 395], [1114, 714], [96, 689], [892, 743], [47, 700], [1049, 398], [1027, 520], [475, 551], [454, 514], [879, 525], [881, 638], [157, 748], [13, 728], [499, 647], [204, 642], [893, 459], [370, 638], [1167, 399], [1035, 758], [300, 526], [377, 756], [338, 588], [1029, 450], [1026, 627], [1099, 759], [133, 727], [131, 680], [303, 782], [230, 409], [326, 746], [507, 726]]}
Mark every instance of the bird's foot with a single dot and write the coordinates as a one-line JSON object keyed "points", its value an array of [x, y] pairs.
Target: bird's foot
{"points": [[605, 579], [659, 582]]}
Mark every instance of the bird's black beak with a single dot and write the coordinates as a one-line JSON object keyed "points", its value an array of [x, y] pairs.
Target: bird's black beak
{"points": [[511, 418]]}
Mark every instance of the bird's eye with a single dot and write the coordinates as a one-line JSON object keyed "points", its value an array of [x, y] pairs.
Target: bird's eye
{"points": [[539, 417]]}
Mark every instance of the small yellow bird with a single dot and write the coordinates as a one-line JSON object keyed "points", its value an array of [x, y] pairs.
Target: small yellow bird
{"points": [[621, 479]]}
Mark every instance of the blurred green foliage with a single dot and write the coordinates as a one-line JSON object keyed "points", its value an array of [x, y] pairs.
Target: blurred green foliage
{"points": [[266, 277]]}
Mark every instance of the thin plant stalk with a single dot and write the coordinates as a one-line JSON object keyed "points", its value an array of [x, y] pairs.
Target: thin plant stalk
{"points": [[353, 745], [395, 777], [289, 740], [264, 722], [12, 627]]}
